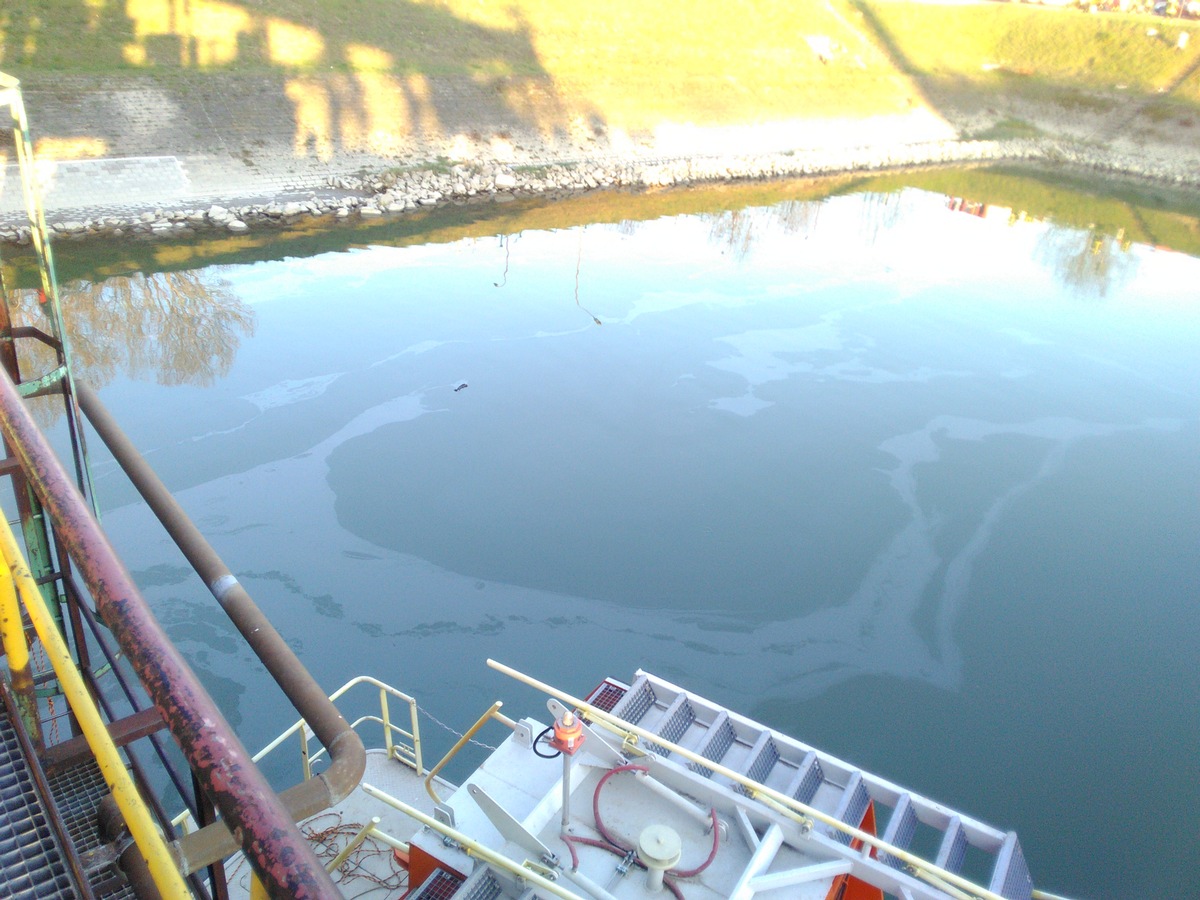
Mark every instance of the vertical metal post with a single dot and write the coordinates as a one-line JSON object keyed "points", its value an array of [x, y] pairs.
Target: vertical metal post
{"points": [[416, 733], [387, 723], [305, 761], [33, 525], [16, 648], [566, 791]]}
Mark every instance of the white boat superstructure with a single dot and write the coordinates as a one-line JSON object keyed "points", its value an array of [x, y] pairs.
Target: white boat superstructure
{"points": [[643, 787]]}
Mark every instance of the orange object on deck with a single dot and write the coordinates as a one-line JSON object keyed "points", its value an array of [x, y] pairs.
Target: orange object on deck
{"points": [[422, 865], [847, 887], [568, 733]]}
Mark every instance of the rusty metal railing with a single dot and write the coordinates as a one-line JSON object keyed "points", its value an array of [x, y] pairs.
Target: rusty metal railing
{"points": [[347, 758], [263, 826], [17, 588]]}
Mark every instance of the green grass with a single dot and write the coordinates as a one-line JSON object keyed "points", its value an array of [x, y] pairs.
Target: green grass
{"points": [[992, 44], [564, 65], [632, 63]]}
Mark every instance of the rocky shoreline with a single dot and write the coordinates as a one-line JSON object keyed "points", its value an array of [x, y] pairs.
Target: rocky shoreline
{"points": [[395, 193]]}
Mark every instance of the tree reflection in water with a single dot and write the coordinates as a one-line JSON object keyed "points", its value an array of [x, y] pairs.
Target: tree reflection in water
{"points": [[1089, 262], [173, 327], [735, 230]]}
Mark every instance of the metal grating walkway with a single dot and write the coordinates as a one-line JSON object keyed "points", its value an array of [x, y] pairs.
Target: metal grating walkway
{"points": [[32, 863], [77, 792]]}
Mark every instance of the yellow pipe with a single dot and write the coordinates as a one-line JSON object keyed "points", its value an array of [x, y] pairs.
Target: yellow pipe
{"points": [[163, 868], [492, 710], [354, 843], [15, 644], [472, 847], [17, 649]]}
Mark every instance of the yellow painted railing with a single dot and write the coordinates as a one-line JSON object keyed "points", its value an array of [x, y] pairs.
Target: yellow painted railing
{"points": [[16, 581], [401, 744]]}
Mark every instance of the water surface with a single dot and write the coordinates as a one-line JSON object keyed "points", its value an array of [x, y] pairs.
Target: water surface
{"points": [[912, 479]]}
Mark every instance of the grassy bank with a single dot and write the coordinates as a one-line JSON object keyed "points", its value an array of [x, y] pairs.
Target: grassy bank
{"points": [[621, 64], [1065, 53]]}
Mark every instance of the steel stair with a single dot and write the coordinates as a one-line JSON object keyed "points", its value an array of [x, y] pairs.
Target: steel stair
{"points": [[32, 860], [948, 839]]}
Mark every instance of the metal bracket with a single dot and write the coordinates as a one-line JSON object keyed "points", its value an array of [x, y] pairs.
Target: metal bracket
{"points": [[523, 733]]}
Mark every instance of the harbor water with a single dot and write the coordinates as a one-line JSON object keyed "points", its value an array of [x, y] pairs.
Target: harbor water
{"points": [[909, 469]]}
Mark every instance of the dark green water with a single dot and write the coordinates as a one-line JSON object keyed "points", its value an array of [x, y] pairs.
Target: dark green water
{"points": [[915, 485]]}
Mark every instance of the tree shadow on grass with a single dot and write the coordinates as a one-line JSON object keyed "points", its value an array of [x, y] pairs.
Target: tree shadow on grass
{"points": [[378, 76]]}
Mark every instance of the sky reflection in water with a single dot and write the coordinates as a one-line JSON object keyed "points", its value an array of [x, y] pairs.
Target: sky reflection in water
{"points": [[818, 450]]}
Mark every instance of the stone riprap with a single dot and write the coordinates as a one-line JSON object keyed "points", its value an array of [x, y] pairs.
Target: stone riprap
{"points": [[392, 193]]}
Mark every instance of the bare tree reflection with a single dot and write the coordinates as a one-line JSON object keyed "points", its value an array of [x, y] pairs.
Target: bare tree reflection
{"points": [[734, 231], [172, 327], [880, 212], [578, 262], [798, 216], [1089, 262], [737, 230]]}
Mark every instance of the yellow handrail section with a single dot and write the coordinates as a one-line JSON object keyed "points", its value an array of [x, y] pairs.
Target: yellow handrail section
{"points": [[474, 848], [492, 713], [407, 753], [15, 579]]}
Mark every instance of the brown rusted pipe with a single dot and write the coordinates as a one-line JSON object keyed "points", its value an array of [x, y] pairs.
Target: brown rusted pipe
{"points": [[347, 758], [271, 841]]}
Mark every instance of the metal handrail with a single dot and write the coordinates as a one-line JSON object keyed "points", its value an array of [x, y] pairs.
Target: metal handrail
{"points": [[385, 720], [795, 808], [395, 750], [346, 753], [472, 847], [221, 764], [17, 582], [493, 712]]}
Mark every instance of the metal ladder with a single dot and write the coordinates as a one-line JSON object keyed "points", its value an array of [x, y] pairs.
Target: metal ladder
{"points": [[964, 846]]}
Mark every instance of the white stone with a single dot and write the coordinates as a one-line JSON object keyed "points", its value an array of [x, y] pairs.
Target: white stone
{"points": [[237, 225]]}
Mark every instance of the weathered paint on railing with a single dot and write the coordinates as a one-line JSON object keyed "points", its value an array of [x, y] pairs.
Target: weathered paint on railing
{"points": [[14, 572], [347, 756], [260, 822]]}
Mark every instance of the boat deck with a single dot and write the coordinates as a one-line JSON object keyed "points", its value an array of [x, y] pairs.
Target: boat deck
{"points": [[373, 864]]}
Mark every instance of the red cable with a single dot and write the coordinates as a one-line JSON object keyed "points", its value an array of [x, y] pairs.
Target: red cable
{"points": [[677, 873], [571, 840], [688, 873], [566, 839], [629, 767]]}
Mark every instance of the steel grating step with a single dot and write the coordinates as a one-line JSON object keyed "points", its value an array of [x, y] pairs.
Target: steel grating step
{"points": [[32, 862], [77, 792]]}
